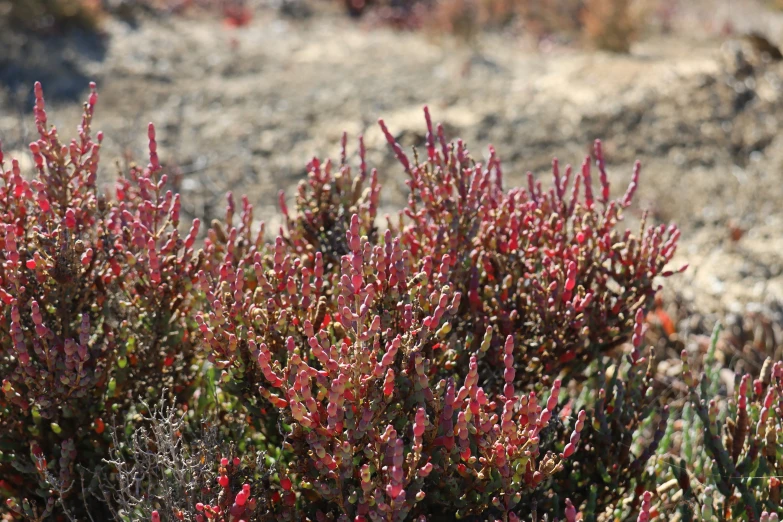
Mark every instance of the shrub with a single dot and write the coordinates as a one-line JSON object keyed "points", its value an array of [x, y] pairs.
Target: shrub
{"points": [[94, 295], [347, 385], [461, 362], [628, 424], [727, 463], [550, 269], [547, 266], [480, 282], [526, 254], [182, 480]]}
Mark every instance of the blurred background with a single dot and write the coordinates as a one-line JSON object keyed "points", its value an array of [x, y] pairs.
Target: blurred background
{"points": [[244, 93]]}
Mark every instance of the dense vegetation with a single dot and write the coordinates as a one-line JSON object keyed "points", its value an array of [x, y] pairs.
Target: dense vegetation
{"points": [[483, 356]]}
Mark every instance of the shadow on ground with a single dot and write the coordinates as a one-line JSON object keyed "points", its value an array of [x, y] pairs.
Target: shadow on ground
{"points": [[58, 60]]}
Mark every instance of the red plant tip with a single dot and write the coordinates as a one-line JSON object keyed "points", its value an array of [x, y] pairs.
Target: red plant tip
{"points": [[155, 516], [568, 450], [401, 157], [285, 483], [418, 425], [281, 203], [151, 131], [223, 481], [70, 219], [644, 512], [241, 498], [571, 277], [430, 135], [87, 257], [570, 512], [224, 462]]}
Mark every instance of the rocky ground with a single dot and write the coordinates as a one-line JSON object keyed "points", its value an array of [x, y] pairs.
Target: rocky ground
{"points": [[244, 109]]}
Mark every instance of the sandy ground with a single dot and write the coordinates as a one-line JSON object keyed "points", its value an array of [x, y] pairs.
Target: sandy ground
{"points": [[245, 109]]}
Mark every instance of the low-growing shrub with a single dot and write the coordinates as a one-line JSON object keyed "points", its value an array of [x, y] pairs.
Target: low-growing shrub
{"points": [[95, 295], [713, 461], [726, 463], [186, 480], [480, 282], [549, 267], [373, 435], [479, 357]]}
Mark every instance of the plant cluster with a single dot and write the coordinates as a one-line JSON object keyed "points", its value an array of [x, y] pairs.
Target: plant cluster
{"points": [[95, 297], [479, 357], [722, 460], [611, 25]]}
